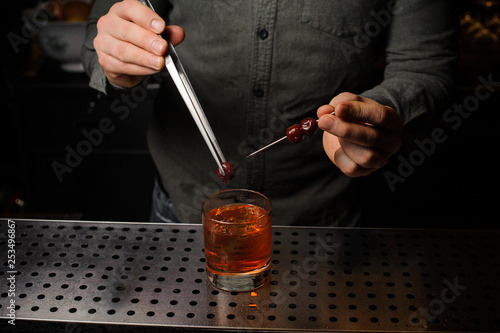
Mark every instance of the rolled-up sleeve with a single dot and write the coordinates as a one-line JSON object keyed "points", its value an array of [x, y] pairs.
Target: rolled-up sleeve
{"points": [[89, 56]]}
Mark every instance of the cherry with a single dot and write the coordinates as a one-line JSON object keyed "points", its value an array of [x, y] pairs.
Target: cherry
{"points": [[294, 134], [229, 172], [309, 126]]}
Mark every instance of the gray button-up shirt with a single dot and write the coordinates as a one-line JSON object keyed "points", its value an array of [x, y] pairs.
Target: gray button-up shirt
{"points": [[259, 66]]}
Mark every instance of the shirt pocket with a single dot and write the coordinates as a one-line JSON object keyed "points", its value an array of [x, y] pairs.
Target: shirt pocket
{"points": [[338, 18]]}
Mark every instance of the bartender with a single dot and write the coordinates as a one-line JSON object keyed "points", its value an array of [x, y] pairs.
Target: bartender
{"points": [[259, 67]]}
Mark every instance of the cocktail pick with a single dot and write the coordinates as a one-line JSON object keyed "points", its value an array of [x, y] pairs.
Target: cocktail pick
{"points": [[290, 136]]}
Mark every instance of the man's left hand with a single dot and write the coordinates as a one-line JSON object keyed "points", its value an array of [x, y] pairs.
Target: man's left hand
{"points": [[361, 136]]}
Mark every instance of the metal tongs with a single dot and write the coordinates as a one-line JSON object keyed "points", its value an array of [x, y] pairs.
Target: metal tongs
{"points": [[174, 67]]}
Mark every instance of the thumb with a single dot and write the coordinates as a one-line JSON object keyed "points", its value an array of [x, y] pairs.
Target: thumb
{"points": [[175, 33]]}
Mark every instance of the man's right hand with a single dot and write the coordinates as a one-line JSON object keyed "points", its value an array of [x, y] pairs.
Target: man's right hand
{"points": [[128, 44]]}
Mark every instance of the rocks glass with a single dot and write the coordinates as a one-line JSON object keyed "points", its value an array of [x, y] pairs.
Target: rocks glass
{"points": [[237, 236]]}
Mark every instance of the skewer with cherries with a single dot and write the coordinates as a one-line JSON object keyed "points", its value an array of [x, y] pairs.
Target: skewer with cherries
{"points": [[295, 134]]}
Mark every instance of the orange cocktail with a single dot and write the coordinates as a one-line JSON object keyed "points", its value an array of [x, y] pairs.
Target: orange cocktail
{"points": [[237, 235]]}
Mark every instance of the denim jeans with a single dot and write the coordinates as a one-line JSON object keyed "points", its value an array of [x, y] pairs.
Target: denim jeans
{"points": [[162, 209]]}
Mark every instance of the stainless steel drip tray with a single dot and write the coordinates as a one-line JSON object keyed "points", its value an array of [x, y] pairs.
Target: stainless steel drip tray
{"points": [[323, 279]]}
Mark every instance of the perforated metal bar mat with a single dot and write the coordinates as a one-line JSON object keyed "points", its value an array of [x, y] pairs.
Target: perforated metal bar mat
{"points": [[323, 279]]}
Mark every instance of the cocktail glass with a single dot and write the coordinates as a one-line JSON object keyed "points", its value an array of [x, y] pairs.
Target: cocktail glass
{"points": [[237, 236]]}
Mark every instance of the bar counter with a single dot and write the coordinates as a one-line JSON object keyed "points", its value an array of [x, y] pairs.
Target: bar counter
{"points": [[152, 276]]}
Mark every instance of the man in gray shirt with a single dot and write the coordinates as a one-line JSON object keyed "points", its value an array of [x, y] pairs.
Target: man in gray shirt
{"points": [[260, 66]]}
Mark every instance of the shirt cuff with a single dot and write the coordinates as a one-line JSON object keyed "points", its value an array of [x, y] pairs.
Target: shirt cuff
{"points": [[100, 82]]}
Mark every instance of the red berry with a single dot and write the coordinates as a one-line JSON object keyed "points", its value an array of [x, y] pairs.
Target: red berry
{"points": [[309, 126], [294, 134], [229, 172]]}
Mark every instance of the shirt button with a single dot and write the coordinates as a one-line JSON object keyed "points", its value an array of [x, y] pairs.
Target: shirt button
{"points": [[262, 33], [258, 91]]}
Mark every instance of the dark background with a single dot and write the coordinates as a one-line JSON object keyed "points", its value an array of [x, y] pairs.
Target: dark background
{"points": [[457, 185], [46, 109]]}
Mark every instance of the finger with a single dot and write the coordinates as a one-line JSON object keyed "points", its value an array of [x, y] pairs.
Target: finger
{"points": [[348, 166], [375, 114], [342, 97], [175, 33], [145, 17], [345, 97], [325, 109], [368, 158], [360, 134], [117, 67], [125, 52], [330, 144], [130, 32]]}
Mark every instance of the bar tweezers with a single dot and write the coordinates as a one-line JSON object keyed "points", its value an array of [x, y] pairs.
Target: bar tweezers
{"points": [[178, 75]]}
